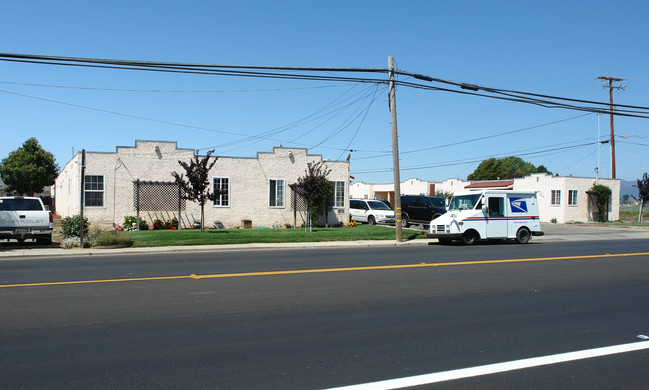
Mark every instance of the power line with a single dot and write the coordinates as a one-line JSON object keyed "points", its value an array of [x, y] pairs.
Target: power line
{"points": [[174, 91], [480, 159], [480, 138], [547, 101]]}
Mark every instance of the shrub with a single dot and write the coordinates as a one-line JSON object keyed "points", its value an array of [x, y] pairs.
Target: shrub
{"points": [[130, 223], [73, 242], [159, 224], [71, 226], [110, 238]]}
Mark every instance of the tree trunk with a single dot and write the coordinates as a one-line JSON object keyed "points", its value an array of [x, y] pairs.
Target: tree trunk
{"points": [[202, 218], [640, 212]]}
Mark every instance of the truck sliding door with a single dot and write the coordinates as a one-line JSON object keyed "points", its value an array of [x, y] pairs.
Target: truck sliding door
{"points": [[496, 219]]}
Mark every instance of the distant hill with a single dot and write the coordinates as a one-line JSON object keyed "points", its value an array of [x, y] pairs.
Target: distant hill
{"points": [[627, 188]]}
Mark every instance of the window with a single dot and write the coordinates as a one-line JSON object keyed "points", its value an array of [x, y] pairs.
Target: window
{"points": [[223, 184], [339, 194], [93, 193], [276, 193], [556, 198], [496, 207], [572, 198]]}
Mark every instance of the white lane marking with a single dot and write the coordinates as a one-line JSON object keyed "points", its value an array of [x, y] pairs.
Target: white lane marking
{"points": [[425, 379]]}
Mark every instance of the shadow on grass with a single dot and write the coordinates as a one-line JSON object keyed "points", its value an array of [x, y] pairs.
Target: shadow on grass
{"points": [[412, 236]]}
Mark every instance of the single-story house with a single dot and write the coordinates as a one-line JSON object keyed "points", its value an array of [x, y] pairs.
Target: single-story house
{"points": [[138, 180], [563, 199]]}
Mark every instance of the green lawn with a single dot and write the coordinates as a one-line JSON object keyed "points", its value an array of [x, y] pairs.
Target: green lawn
{"points": [[245, 236]]}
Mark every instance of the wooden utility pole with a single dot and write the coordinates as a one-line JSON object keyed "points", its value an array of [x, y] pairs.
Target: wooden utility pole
{"points": [[610, 87], [395, 152], [83, 189]]}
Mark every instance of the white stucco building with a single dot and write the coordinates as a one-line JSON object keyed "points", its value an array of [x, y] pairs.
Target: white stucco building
{"points": [[140, 177], [561, 198]]}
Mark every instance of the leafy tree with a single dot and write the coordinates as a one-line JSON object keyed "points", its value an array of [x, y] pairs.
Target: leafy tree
{"points": [[315, 189], [602, 197], [196, 187], [444, 194], [29, 168], [643, 193], [504, 168]]}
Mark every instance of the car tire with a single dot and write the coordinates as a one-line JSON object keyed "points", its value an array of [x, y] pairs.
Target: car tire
{"points": [[523, 235], [405, 221], [470, 237], [371, 220]]}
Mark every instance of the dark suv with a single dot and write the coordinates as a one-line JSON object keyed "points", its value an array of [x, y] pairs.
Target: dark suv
{"points": [[420, 209]]}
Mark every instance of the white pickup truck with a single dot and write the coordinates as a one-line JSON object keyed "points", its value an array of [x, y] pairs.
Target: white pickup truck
{"points": [[23, 217]]}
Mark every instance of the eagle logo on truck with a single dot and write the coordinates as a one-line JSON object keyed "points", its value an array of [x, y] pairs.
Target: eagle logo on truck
{"points": [[518, 205]]}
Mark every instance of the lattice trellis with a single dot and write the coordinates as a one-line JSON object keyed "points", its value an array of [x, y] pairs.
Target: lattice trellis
{"points": [[298, 203], [156, 196]]}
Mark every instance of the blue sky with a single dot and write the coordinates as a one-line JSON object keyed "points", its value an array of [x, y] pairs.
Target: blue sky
{"points": [[552, 47]]}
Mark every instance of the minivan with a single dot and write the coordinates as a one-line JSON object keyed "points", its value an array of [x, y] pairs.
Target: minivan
{"points": [[370, 211]]}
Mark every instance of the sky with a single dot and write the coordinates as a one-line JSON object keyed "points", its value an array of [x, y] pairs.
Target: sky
{"points": [[556, 48]]}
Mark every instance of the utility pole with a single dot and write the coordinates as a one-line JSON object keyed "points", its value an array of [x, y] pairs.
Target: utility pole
{"points": [[395, 152], [81, 203], [610, 94]]}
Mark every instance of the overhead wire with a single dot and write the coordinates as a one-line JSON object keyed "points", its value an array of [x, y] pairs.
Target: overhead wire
{"points": [[479, 138], [477, 159], [240, 70], [322, 112], [174, 91]]}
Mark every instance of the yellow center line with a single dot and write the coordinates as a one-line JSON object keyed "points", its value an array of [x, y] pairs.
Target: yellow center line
{"points": [[326, 270]]}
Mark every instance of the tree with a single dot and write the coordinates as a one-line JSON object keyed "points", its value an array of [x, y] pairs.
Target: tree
{"points": [[643, 193], [315, 189], [196, 187], [504, 168], [602, 197], [29, 168]]}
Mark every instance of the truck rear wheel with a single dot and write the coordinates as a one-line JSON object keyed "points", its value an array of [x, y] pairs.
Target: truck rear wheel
{"points": [[523, 236]]}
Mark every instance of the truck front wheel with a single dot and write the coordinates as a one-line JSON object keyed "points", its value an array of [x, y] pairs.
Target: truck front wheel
{"points": [[470, 237], [523, 236]]}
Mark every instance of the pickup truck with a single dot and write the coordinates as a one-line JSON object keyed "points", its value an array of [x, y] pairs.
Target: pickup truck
{"points": [[25, 217]]}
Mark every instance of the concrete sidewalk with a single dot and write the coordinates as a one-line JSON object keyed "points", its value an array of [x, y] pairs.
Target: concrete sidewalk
{"points": [[553, 233]]}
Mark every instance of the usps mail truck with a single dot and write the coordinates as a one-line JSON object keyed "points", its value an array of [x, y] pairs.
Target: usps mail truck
{"points": [[487, 215]]}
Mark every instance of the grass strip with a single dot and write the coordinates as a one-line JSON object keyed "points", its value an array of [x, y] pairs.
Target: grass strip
{"points": [[152, 238]]}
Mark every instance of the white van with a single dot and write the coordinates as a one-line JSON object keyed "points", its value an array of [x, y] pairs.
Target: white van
{"points": [[370, 211], [488, 214]]}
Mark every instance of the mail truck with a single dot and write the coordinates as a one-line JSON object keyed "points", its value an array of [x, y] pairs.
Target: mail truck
{"points": [[487, 215]]}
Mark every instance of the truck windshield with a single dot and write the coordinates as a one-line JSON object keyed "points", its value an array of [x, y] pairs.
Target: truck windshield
{"points": [[20, 205], [464, 202]]}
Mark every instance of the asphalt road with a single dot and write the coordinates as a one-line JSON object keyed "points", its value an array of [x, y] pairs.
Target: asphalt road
{"points": [[319, 318]]}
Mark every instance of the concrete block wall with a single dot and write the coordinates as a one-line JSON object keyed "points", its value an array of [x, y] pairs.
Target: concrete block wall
{"points": [[156, 160]]}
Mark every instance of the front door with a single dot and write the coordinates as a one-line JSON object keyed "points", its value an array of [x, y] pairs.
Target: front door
{"points": [[496, 220]]}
